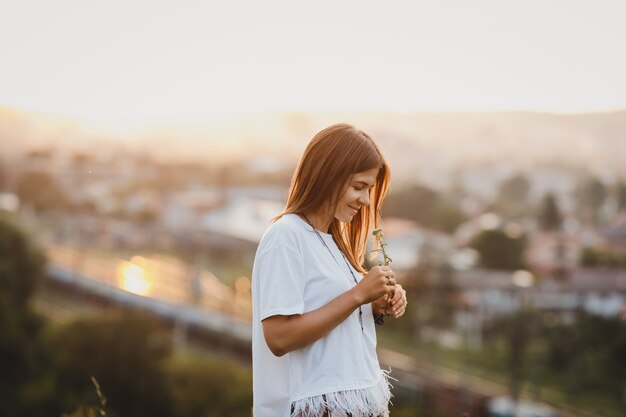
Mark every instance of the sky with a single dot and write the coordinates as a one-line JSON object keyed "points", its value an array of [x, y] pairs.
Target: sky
{"points": [[137, 63]]}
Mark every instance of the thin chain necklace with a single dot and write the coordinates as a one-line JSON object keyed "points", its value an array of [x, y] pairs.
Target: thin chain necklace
{"points": [[337, 262]]}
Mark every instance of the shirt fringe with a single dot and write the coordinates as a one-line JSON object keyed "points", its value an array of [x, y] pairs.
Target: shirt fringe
{"points": [[367, 402]]}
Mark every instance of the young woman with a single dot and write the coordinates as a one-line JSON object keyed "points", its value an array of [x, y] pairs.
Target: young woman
{"points": [[314, 306]]}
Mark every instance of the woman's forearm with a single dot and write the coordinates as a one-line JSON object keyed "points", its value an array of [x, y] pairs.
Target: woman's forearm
{"points": [[284, 334]]}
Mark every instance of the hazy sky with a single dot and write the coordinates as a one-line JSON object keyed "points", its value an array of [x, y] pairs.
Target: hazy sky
{"points": [[139, 62]]}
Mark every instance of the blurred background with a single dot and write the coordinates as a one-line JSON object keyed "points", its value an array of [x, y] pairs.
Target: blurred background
{"points": [[146, 145]]}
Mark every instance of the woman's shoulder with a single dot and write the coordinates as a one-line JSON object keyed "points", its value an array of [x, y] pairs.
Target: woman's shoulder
{"points": [[288, 229]]}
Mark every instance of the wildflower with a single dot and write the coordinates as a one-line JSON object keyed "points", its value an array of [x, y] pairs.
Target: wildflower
{"points": [[378, 235]]}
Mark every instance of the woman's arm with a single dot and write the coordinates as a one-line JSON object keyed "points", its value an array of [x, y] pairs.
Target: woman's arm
{"points": [[284, 334]]}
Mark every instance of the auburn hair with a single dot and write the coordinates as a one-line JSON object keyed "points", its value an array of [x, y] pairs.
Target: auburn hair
{"points": [[323, 174]]}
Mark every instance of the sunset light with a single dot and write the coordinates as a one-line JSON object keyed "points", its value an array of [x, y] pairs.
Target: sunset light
{"points": [[147, 63], [175, 178], [134, 278]]}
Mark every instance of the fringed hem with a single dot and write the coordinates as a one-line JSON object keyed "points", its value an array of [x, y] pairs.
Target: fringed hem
{"points": [[366, 402]]}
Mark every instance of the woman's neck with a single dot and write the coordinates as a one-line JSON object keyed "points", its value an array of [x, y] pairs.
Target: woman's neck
{"points": [[317, 220]]}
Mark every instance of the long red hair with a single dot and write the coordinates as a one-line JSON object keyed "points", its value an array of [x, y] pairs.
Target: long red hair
{"points": [[326, 166]]}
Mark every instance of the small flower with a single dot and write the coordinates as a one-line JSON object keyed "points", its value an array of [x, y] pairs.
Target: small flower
{"points": [[378, 235]]}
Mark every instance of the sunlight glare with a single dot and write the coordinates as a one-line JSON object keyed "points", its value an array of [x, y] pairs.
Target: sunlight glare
{"points": [[134, 278]]}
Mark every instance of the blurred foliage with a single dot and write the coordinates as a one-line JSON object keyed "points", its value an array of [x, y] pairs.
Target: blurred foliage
{"points": [[597, 257], [549, 215], [22, 380], [586, 356], [620, 195], [591, 354], [433, 296], [4, 177], [130, 355], [591, 194], [516, 331], [202, 387], [125, 351], [425, 206], [91, 411], [21, 265], [83, 411], [41, 191], [499, 250], [512, 199]]}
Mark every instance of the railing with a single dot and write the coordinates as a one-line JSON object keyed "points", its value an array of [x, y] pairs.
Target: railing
{"points": [[165, 287]]}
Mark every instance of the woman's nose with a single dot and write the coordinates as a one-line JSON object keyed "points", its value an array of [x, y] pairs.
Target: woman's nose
{"points": [[364, 198]]}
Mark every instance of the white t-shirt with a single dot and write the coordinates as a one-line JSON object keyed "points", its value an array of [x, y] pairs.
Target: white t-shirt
{"points": [[294, 273]]}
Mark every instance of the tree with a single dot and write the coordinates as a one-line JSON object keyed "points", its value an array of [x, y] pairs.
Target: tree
{"points": [[21, 270], [498, 250], [125, 351], [591, 196], [512, 197], [425, 206], [549, 214]]}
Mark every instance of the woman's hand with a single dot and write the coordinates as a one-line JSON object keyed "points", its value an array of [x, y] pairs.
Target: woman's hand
{"points": [[395, 307], [379, 282]]}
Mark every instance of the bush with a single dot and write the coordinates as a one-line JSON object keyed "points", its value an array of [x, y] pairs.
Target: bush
{"points": [[125, 351], [209, 388], [22, 383]]}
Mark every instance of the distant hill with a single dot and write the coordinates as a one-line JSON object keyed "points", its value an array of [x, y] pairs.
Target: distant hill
{"points": [[525, 138]]}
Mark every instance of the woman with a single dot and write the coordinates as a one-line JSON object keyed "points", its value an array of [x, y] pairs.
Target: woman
{"points": [[314, 306]]}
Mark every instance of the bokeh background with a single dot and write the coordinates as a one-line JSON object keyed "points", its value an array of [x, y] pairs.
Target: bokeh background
{"points": [[145, 145]]}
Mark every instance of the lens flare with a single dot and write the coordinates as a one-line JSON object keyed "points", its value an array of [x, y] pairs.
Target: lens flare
{"points": [[134, 278]]}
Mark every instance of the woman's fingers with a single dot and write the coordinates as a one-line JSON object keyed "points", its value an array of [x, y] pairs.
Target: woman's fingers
{"points": [[379, 281], [399, 302], [399, 293]]}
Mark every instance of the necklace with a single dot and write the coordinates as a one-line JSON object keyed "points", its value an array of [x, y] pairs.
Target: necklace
{"points": [[337, 262]]}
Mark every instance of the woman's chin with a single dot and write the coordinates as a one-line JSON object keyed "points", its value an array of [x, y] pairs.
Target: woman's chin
{"points": [[345, 218]]}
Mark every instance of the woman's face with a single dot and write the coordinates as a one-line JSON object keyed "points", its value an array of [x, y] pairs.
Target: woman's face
{"points": [[356, 195]]}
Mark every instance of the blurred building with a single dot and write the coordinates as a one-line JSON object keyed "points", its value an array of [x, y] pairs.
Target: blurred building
{"points": [[408, 244], [614, 235], [553, 254], [487, 295]]}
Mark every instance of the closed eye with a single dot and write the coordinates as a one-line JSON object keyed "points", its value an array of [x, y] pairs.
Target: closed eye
{"points": [[362, 186]]}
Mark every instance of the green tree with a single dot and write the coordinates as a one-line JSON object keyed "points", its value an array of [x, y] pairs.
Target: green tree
{"points": [[550, 217], [498, 250], [40, 191], [125, 351], [21, 270]]}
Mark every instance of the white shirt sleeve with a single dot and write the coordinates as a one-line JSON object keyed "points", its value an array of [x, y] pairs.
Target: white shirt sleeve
{"points": [[281, 282]]}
